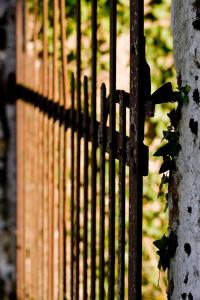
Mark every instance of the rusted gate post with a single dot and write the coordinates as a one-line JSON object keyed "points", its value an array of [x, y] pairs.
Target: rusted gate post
{"points": [[136, 146]]}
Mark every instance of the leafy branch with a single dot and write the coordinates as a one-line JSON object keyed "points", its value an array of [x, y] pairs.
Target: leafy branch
{"points": [[169, 153]]}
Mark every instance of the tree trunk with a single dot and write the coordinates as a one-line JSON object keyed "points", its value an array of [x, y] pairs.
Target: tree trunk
{"points": [[184, 202]]}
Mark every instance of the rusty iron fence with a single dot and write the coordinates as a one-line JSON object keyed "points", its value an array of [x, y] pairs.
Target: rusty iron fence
{"points": [[79, 196]]}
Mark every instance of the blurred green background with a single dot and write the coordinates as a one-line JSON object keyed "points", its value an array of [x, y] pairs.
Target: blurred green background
{"points": [[155, 220]]}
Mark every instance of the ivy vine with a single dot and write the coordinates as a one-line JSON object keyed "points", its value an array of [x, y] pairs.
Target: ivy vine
{"points": [[169, 152]]}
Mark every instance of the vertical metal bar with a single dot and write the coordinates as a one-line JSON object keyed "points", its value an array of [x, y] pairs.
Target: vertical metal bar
{"points": [[112, 112], [63, 48], [136, 137], [46, 150], [55, 50], [28, 203], [50, 179], [66, 214], [31, 171], [33, 163], [86, 139], [40, 186], [26, 215], [37, 262], [78, 198], [62, 153], [20, 202], [78, 83], [50, 185], [45, 46], [19, 125], [18, 37], [45, 206], [36, 175], [35, 29], [24, 23], [24, 79], [46, 209], [37, 201], [102, 147], [35, 122], [64, 87], [122, 188], [72, 188], [94, 146], [56, 153], [61, 192], [40, 137]]}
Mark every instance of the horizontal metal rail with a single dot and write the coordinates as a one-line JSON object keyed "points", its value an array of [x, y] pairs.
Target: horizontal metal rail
{"points": [[58, 112]]}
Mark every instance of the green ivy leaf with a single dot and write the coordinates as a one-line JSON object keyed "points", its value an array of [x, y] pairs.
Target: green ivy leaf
{"points": [[164, 180], [163, 151], [166, 249], [163, 252], [168, 165], [184, 91], [171, 135], [175, 148], [164, 259], [162, 244], [173, 117], [170, 149], [185, 99]]}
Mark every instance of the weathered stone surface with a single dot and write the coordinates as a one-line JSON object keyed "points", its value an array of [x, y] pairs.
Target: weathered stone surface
{"points": [[185, 266]]}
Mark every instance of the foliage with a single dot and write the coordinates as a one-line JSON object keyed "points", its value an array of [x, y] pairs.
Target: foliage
{"points": [[170, 151], [160, 58], [167, 245], [162, 246], [166, 249]]}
